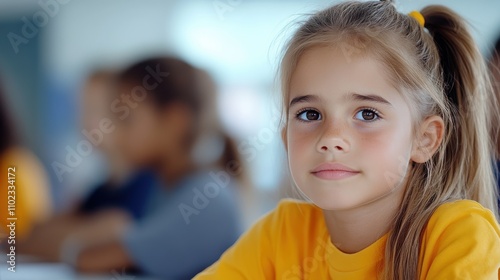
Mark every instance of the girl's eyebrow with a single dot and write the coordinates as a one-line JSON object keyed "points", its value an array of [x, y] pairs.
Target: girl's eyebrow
{"points": [[352, 95], [369, 97], [303, 98]]}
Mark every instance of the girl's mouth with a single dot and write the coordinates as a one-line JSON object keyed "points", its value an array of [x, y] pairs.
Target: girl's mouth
{"points": [[333, 171]]}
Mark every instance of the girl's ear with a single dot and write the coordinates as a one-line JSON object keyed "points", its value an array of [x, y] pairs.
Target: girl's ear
{"points": [[430, 136], [283, 138]]}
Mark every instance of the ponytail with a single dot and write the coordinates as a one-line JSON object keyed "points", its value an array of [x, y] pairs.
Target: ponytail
{"points": [[466, 84], [463, 166]]}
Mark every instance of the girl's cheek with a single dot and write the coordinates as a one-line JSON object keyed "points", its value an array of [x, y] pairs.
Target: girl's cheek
{"points": [[296, 144], [372, 138], [385, 142], [301, 134]]}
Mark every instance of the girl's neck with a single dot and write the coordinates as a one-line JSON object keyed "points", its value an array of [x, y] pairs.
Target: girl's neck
{"points": [[355, 229]]}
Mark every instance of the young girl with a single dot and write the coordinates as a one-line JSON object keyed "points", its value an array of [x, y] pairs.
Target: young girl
{"points": [[111, 205], [386, 128]]}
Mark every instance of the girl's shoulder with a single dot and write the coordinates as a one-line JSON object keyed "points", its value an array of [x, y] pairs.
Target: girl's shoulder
{"points": [[461, 240], [466, 217], [462, 212]]}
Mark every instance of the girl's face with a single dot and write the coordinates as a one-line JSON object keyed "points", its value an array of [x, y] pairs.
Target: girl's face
{"points": [[137, 135], [148, 134], [349, 131]]}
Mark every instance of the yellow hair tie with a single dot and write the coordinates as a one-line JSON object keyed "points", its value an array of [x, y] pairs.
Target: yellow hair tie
{"points": [[418, 16]]}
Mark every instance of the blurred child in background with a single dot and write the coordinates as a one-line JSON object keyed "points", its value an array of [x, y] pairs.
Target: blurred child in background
{"points": [[23, 183], [191, 218], [111, 205]]}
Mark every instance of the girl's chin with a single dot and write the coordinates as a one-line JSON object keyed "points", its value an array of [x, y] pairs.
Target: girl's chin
{"points": [[334, 203]]}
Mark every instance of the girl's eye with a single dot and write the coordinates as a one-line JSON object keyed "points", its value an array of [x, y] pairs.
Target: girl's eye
{"points": [[309, 115], [367, 115]]}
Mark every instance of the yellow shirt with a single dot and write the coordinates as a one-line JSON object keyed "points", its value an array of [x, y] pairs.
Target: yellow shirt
{"points": [[461, 241], [31, 198]]}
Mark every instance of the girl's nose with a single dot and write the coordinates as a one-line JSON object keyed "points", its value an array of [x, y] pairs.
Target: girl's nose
{"points": [[337, 148], [333, 141]]}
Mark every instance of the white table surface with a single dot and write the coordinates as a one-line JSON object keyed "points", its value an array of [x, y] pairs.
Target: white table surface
{"points": [[57, 271]]}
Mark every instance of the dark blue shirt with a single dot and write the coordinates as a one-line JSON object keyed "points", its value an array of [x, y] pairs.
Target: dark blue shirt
{"points": [[132, 197]]}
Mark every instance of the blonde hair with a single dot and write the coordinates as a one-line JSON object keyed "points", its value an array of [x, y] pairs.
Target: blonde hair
{"points": [[440, 71]]}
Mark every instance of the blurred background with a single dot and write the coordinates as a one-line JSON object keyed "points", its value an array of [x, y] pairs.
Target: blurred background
{"points": [[49, 47], [237, 41]]}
